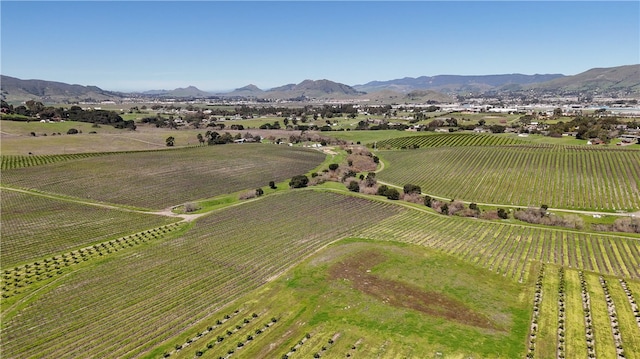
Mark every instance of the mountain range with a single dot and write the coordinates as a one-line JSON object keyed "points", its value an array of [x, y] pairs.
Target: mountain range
{"points": [[621, 80]]}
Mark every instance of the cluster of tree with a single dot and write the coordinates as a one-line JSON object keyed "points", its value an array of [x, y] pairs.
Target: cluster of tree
{"points": [[542, 216], [37, 110], [215, 138], [625, 224], [587, 127]]}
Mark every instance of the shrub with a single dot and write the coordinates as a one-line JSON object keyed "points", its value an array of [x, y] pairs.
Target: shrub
{"points": [[72, 131], [272, 185], [190, 207], [334, 166]]}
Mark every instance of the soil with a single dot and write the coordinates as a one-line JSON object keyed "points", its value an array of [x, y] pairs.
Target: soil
{"points": [[403, 295]]}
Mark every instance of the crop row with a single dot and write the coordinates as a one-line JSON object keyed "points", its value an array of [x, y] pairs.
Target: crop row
{"points": [[632, 301], [18, 279], [533, 328], [595, 316], [447, 140], [564, 177], [8, 162], [35, 226], [160, 179], [156, 291], [508, 248]]}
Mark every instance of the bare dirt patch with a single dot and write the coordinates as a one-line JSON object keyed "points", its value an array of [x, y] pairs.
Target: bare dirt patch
{"points": [[357, 269]]}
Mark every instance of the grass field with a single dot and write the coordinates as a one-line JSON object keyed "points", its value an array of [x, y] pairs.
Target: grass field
{"points": [[558, 176], [159, 179]]}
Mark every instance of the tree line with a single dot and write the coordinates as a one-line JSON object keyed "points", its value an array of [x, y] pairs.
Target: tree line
{"points": [[34, 110]]}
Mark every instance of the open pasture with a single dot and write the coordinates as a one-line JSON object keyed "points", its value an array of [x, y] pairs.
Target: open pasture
{"points": [[509, 249], [558, 176], [34, 226], [154, 292], [159, 179]]}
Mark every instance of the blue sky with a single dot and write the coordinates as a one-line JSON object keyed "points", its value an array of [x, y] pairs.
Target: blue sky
{"points": [[219, 46]]}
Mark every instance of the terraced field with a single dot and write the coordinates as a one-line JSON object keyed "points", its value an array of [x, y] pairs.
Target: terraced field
{"points": [[159, 179], [558, 176], [154, 292]]}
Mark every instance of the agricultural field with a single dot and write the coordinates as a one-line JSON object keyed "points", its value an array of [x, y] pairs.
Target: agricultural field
{"points": [[97, 240], [34, 226], [421, 140], [370, 299], [585, 178], [509, 249], [156, 291], [159, 179]]}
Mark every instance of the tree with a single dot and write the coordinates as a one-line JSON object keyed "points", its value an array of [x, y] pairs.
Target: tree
{"points": [[334, 166], [170, 141], [370, 180], [259, 192], [427, 201], [299, 181], [200, 139], [382, 190], [502, 213], [444, 209], [393, 194], [411, 188], [72, 131], [272, 185], [354, 186]]}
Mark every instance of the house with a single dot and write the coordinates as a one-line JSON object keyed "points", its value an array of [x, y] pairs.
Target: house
{"points": [[480, 130], [595, 141], [569, 134]]}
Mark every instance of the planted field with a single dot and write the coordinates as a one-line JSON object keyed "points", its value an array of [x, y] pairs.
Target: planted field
{"points": [[508, 249], [154, 292], [584, 315], [560, 177], [447, 140], [11, 162], [159, 179], [371, 299], [34, 226]]}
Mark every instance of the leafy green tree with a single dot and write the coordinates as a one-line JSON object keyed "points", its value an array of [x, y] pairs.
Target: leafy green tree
{"points": [[502, 213], [444, 209], [354, 186], [428, 201], [411, 188], [299, 181], [382, 190], [334, 166], [170, 141], [392, 193]]}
